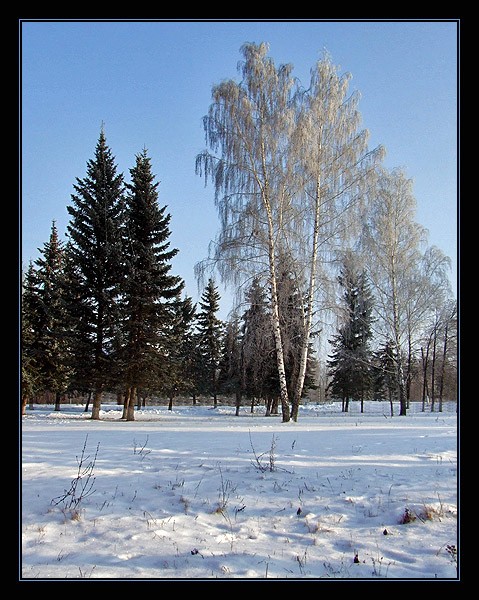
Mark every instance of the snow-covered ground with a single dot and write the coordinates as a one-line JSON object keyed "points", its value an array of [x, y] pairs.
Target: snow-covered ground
{"points": [[197, 493]]}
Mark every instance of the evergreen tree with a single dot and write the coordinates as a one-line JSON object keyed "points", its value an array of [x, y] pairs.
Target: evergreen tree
{"points": [[176, 378], [231, 363], [258, 350], [47, 321], [210, 334], [187, 349], [385, 374], [80, 330], [30, 370], [350, 362], [292, 304], [96, 251], [151, 293]]}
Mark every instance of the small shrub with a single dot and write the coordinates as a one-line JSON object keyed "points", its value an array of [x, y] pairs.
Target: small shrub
{"points": [[407, 517], [80, 487]]}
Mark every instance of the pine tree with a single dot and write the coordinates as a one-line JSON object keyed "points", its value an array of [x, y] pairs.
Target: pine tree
{"points": [[210, 332], [96, 251], [151, 293], [350, 362]]}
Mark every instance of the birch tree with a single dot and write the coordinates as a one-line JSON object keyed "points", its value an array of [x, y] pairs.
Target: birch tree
{"points": [[248, 128], [336, 168], [287, 165], [392, 241], [427, 291]]}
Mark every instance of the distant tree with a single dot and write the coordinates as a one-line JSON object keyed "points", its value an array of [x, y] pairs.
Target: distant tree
{"points": [[350, 363], [31, 379], [439, 339], [231, 364], [95, 248], [150, 292], [259, 373], [210, 340], [392, 243], [424, 293], [449, 345], [385, 374], [46, 321], [176, 378]]}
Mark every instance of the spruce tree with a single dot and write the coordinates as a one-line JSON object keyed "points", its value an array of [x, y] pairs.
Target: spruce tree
{"points": [[30, 370], [350, 363], [210, 333], [182, 348], [259, 364], [45, 329], [384, 374], [151, 292], [292, 304], [231, 363], [95, 248]]}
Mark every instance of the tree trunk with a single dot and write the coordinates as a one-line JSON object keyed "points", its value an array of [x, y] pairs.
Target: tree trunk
{"points": [[433, 370], [126, 399], [274, 406], [409, 370], [443, 367], [58, 400], [308, 318], [425, 358], [170, 402], [401, 387], [95, 411], [397, 343], [88, 400], [24, 404], [275, 321], [130, 413], [238, 402], [268, 403]]}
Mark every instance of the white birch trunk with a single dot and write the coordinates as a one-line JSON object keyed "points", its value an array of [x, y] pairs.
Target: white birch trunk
{"points": [[309, 308]]}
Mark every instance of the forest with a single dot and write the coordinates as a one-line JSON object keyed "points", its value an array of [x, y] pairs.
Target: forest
{"points": [[337, 293]]}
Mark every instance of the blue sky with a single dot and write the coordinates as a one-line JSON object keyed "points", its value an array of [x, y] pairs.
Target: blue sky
{"points": [[150, 84]]}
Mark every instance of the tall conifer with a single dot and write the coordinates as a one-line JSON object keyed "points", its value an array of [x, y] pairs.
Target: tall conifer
{"points": [[351, 362], [46, 323], [151, 292], [210, 330], [96, 251]]}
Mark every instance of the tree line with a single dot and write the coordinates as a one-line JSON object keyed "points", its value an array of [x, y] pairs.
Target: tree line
{"points": [[295, 180], [316, 235], [103, 312]]}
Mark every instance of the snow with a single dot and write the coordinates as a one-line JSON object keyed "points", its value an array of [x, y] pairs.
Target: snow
{"points": [[198, 493]]}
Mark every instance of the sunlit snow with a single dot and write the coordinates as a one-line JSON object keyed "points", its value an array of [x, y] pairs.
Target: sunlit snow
{"points": [[198, 493]]}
